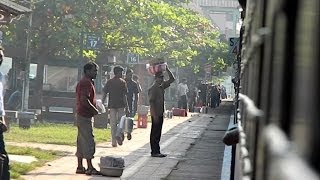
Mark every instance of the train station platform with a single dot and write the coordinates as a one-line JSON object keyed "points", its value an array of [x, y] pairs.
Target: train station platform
{"points": [[193, 144]]}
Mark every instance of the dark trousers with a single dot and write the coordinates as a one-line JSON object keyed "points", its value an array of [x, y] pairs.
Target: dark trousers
{"points": [[182, 103], [132, 106], [4, 160], [155, 135], [215, 101]]}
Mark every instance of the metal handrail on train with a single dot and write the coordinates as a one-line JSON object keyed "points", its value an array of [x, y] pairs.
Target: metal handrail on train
{"points": [[285, 162], [252, 111], [250, 106]]}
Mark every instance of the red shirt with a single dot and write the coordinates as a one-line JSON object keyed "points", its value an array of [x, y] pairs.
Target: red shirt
{"points": [[86, 88]]}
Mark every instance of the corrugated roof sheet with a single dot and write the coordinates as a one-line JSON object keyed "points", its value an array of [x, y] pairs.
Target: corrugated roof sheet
{"points": [[13, 8], [218, 3]]}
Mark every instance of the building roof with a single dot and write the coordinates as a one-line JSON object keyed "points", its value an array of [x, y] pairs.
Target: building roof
{"points": [[13, 8], [217, 3]]}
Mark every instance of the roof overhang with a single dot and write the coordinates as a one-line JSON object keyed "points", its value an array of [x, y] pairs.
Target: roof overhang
{"points": [[9, 9]]}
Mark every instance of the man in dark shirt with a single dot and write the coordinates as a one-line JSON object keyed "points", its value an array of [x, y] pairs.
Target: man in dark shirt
{"points": [[86, 109], [156, 99], [117, 90], [203, 94], [133, 92], [136, 79]]}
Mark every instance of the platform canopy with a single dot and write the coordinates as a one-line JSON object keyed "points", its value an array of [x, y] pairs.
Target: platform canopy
{"points": [[9, 10]]}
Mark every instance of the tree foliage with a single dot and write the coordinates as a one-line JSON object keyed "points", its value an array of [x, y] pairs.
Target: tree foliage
{"points": [[146, 27]]}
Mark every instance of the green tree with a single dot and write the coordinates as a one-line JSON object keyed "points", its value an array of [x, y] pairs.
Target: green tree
{"points": [[147, 27]]}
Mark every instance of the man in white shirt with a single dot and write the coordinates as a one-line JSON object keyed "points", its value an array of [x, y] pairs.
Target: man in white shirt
{"points": [[182, 94]]}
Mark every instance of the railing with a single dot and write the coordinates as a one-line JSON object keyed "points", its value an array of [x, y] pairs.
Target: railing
{"points": [[246, 167], [285, 162]]}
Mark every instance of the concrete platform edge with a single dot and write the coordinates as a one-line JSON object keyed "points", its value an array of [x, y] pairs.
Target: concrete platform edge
{"points": [[226, 166]]}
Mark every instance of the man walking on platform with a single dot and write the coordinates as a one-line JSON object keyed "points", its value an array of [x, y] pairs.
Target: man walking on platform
{"points": [[117, 90], [156, 99], [86, 109]]}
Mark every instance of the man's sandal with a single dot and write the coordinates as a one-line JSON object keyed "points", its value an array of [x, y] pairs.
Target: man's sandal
{"points": [[129, 136], [119, 140], [92, 171], [81, 170]]}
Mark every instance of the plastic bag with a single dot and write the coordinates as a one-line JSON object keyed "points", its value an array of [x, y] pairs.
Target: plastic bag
{"points": [[100, 106]]}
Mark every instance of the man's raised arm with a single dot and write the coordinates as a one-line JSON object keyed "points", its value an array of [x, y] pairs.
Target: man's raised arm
{"points": [[171, 78]]}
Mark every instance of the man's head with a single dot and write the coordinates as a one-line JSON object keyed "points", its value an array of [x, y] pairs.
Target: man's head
{"points": [[159, 77], [91, 70], [1, 55], [118, 71], [129, 74]]}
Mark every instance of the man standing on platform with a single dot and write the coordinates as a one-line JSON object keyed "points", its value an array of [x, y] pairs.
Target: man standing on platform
{"points": [[156, 99], [136, 79], [133, 92], [86, 109], [182, 94]]}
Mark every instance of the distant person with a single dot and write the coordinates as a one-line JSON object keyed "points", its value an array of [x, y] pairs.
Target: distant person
{"points": [[104, 82], [203, 90], [192, 98], [86, 110], [105, 79], [15, 99], [133, 92], [136, 79], [117, 90], [215, 96], [156, 99], [219, 93], [5, 175], [223, 92], [10, 78], [182, 94]]}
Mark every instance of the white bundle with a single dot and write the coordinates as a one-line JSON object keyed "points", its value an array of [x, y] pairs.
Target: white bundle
{"points": [[109, 161], [100, 106]]}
